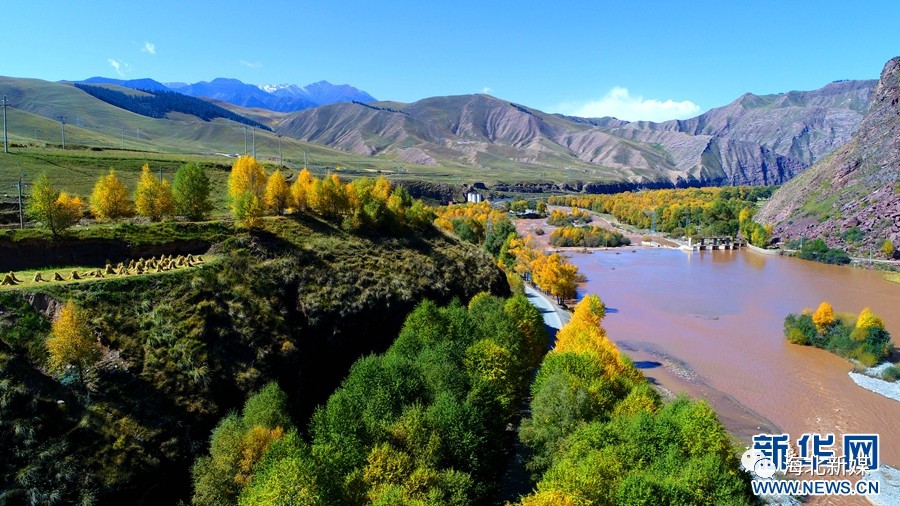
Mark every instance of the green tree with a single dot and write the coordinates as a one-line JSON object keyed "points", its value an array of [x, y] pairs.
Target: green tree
{"points": [[496, 234], [286, 477], [56, 211], [71, 343], [191, 191], [237, 445], [268, 408], [887, 248]]}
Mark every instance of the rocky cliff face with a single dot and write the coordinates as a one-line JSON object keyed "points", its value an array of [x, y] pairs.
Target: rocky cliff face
{"points": [[856, 186], [754, 140]]}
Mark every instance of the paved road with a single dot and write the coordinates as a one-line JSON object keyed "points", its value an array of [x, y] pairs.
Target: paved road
{"points": [[554, 318]]}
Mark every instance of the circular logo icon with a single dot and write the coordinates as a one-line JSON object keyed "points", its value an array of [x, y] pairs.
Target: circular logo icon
{"points": [[764, 468], [756, 462]]}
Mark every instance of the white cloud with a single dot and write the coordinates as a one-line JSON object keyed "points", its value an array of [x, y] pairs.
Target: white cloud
{"points": [[487, 90], [149, 47], [252, 65], [120, 67], [619, 103]]}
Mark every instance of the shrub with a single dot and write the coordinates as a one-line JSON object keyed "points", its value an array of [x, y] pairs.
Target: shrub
{"points": [[892, 373], [853, 234], [818, 251], [799, 329]]}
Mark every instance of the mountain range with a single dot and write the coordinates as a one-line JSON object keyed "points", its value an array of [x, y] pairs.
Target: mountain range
{"points": [[279, 98], [754, 140], [857, 186]]}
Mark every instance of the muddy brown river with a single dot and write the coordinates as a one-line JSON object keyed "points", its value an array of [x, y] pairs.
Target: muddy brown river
{"points": [[710, 324]]}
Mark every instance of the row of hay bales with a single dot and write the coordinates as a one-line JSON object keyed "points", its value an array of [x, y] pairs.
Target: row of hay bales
{"points": [[133, 267]]}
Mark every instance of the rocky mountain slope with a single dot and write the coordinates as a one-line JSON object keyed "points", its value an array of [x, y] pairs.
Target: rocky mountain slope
{"points": [[856, 186], [754, 140]]}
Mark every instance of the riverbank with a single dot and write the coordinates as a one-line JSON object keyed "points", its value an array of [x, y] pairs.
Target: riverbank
{"points": [[871, 380]]}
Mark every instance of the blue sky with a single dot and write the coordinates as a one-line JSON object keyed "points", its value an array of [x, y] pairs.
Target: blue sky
{"points": [[634, 60]]}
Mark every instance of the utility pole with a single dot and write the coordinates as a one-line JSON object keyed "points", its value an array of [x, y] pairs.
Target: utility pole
{"points": [[5, 132], [21, 187], [62, 125], [280, 155], [123, 137], [304, 160], [244, 127], [35, 134], [254, 142]]}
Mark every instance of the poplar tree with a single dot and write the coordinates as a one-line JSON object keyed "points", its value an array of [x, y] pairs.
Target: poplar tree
{"points": [[71, 343], [109, 199], [153, 198], [191, 191], [56, 211], [246, 190], [278, 193]]}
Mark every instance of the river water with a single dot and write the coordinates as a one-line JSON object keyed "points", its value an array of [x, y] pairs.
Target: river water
{"points": [[709, 323]]}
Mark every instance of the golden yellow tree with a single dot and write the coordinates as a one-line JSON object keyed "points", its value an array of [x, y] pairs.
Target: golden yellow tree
{"points": [[584, 334], [166, 200], [555, 275], [71, 343], [327, 197], [246, 190], [867, 320], [152, 197], [300, 190], [382, 189], [823, 317], [70, 207], [525, 253], [278, 193], [109, 199]]}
